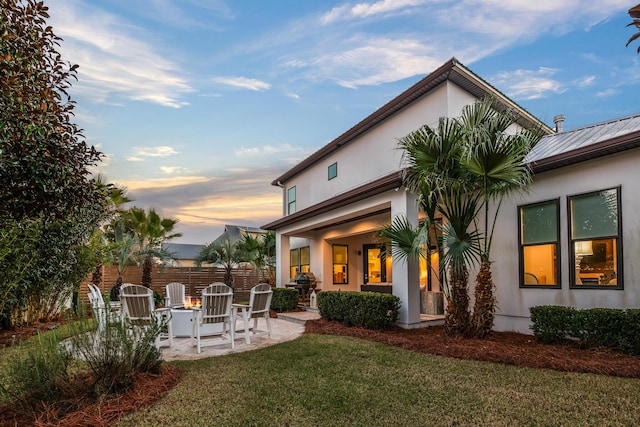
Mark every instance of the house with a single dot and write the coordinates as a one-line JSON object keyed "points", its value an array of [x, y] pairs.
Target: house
{"points": [[339, 196], [576, 232], [234, 233], [184, 254], [336, 199]]}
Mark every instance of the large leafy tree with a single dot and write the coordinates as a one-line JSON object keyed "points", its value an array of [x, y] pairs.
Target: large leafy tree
{"points": [[49, 204], [461, 168], [44, 159], [150, 230]]}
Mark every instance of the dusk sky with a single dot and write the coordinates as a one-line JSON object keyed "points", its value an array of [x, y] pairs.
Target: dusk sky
{"points": [[198, 105]]}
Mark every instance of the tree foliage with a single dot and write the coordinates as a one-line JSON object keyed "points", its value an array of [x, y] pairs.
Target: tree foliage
{"points": [[634, 12], [43, 155], [49, 203]]}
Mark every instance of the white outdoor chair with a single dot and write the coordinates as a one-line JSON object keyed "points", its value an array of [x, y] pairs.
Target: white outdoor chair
{"points": [[138, 307], [259, 305], [97, 307], [174, 295], [215, 309]]}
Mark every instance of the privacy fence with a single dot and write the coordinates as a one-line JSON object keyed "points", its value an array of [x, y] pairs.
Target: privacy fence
{"points": [[194, 279]]}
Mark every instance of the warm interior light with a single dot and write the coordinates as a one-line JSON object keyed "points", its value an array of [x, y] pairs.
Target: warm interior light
{"points": [[584, 248]]}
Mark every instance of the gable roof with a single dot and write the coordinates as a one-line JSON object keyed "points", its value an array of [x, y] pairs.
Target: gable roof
{"points": [[451, 70], [183, 250], [233, 233], [578, 145]]}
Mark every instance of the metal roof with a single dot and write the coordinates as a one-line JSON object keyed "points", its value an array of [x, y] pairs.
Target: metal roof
{"points": [[580, 140]]}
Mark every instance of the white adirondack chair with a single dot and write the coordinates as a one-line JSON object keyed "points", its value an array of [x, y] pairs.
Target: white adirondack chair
{"points": [[139, 308], [174, 294], [215, 308], [259, 305]]}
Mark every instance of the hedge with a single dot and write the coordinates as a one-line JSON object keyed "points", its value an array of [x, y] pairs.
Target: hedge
{"points": [[369, 309], [284, 299], [595, 327]]}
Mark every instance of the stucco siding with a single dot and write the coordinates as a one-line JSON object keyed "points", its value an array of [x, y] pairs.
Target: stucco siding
{"points": [[603, 173]]}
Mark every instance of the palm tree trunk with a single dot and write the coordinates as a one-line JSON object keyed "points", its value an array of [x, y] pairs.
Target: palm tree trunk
{"points": [[483, 310], [146, 272], [457, 318]]}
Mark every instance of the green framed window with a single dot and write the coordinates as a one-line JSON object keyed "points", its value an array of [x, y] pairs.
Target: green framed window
{"points": [[333, 170], [539, 248], [595, 241], [340, 264], [291, 200]]}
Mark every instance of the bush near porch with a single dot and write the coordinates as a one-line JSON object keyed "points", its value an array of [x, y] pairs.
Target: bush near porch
{"points": [[284, 299], [369, 309], [595, 327]]}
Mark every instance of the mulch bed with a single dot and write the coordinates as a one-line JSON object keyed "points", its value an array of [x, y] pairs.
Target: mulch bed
{"points": [[501, 347]]}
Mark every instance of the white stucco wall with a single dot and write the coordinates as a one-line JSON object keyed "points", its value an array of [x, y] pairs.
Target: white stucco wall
{"points": [[513, 302], [375, 154]]}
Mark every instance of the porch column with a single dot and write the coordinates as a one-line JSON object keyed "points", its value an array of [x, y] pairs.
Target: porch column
{"points": [[406, 273], [283, 260]]}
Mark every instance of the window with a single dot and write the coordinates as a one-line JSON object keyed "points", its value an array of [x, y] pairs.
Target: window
{"points": [[333, 170], [595, 243], [539, 244], [340, 264], [291, 200], [299, 261]]}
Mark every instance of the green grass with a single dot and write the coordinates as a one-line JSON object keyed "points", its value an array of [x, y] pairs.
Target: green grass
{"points": [[322, 380]]}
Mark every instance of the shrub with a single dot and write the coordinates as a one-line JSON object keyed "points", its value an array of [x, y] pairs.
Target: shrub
{"points": [[369, 309], [41, 376], [115, 352], [619, 329], [284, 299], [551, 323]]}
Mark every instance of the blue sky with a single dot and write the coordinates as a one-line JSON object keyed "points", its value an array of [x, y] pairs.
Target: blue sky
{"points": [[199, 104]]}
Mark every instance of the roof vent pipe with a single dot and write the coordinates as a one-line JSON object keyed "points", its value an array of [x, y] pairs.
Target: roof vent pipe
{"points": [[559, 121]]}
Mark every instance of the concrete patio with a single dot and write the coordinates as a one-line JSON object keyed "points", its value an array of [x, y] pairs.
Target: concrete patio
{"points": [[286, 327]]}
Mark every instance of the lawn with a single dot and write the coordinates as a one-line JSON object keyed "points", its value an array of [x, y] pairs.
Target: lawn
{"points": [[327, 380]]}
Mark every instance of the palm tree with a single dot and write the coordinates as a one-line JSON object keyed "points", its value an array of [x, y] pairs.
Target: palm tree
{"points": [[260, 251], [225, 254], [122, 250], [494, 158], [458, 170], [433, 171], [151, 231], [634, 12]]}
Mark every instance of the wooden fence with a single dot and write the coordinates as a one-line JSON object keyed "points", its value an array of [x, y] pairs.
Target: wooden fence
{"points": [[194, 279]]}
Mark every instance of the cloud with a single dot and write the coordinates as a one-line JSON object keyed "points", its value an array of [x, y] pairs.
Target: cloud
{"points": [[606, 93], [160, 151], [170, 170], [364, 10], [267, 149], [243, 82], [116, 59], [585, 81], [135, 159], [528, 84]]}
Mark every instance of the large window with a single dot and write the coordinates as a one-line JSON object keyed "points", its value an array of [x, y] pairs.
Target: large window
{"points": [[291, 200], [595, 243], [340, 264], [299, 261], [539, 244]]}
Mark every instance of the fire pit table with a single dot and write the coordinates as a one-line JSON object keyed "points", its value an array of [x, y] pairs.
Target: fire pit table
{"points": [[181, 319]]}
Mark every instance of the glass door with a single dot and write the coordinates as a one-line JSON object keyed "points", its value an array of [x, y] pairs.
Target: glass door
{"points": [[374, 267]]}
